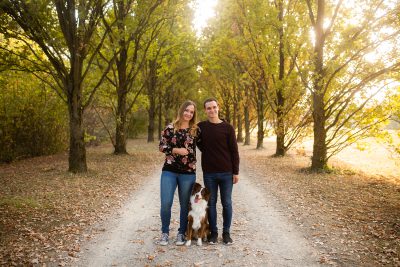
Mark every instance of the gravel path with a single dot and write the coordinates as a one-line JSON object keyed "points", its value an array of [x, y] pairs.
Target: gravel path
{"points": [[262, 235]]}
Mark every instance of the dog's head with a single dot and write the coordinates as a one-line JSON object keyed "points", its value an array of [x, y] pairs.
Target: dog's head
{"points": [[200, 193]]}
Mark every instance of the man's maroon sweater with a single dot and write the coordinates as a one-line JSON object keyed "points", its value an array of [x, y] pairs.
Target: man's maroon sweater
{"points": [[217, 142]]}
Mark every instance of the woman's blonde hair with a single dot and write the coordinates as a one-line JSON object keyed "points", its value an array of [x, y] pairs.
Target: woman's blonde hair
{"points": [[192, 123]]}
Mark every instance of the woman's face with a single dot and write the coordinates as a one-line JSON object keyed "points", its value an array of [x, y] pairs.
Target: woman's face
{"points": [[188, 113]]}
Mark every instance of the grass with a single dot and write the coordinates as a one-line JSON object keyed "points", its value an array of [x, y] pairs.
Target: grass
{"points": [[19, 202]]}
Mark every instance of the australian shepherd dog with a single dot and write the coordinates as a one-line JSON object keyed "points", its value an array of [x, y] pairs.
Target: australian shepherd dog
{"points": [[198, 215]]}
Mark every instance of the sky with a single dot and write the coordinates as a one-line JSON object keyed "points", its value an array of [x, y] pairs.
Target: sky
{"points": [[203, 10]]}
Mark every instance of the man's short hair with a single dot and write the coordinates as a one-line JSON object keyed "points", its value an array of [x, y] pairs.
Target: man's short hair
{"points": [[211, 99]]}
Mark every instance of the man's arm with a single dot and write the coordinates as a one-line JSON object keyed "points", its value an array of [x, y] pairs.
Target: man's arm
{"points": [[234, 154], [199, 141]]}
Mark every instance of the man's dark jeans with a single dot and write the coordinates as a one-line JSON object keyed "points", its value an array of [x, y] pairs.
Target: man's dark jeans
{"points": [[224, 182]]}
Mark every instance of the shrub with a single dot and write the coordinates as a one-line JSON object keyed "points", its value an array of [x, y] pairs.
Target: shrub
{"points": [[33, 120]]}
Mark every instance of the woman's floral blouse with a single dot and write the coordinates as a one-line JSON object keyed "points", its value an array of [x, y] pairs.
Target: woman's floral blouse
{"points": [[180, 139]]}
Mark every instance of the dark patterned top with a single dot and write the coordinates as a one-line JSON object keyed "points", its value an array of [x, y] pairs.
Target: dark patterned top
{"points": [[180, 139]]}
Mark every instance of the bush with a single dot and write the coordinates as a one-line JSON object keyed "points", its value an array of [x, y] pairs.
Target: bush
{"points": [[33, 120], [137, 124]]}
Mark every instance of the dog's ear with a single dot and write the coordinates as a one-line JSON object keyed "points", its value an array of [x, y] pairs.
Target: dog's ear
{"points": [[206, 194], [195, 188]]}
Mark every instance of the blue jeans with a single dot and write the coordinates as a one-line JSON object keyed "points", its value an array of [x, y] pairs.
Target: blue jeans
{"points": [[225, 183], [169, 182]]}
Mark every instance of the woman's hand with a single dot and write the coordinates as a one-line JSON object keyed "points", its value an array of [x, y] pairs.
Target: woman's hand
{"points": [[180, 151]]}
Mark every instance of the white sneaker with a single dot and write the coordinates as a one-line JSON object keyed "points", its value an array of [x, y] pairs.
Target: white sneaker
{"points": [[180, 240], [164, 239]]}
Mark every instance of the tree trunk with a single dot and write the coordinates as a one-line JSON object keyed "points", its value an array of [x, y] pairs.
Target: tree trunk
{"points": [[235, 108], [280, 120], [234, 119], [280, 135], [238, 100], [239, 129], [152, 81], [168, 101], [77, 150], [159, 115], [246, 117], [246, 126], [260, 133], [260, 118], [227, 112], [120, 133], [150, 128], [319, 158], [122, 90]]}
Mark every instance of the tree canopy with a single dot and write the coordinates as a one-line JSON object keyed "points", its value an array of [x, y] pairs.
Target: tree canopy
{"points": [[323, 69]]}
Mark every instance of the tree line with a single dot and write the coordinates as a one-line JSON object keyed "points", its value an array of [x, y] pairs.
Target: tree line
{"points": [[326, 67], [294, 68], [103, 55]]}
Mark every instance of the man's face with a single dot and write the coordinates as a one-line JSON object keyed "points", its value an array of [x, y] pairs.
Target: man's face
{"points": [[211, 109]]}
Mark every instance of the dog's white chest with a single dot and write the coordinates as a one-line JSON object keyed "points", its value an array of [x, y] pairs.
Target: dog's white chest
{"points": [[198, 212]]}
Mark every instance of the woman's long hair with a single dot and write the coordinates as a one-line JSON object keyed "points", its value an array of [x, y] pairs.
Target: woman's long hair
{"points": [[192, 123]]}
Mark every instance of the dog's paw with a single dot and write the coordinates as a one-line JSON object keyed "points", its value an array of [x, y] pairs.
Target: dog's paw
{"points": [[199, 242], [188, 243]]}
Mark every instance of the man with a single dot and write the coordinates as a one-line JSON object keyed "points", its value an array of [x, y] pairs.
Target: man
{"points": [[220, 164]]}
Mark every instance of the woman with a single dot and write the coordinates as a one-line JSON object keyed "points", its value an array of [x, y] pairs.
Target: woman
{"points": [[178, 142]]}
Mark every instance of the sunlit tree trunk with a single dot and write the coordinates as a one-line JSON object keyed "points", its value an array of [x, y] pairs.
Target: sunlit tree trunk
{"points": [[246, 111], [280, 100], [319, 157], [239, 129], [260, 117], [246, 126], [235, 113]]}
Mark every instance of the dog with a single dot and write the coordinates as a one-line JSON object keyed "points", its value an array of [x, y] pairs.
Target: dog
{"points": [[198, 215]]}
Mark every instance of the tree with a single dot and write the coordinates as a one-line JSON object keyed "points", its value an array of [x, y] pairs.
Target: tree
{"points": [[344, 82], [170, 72], [64, 31], [291, 115], [222, 69], [255, 47], [271, 34], [137, 25]]}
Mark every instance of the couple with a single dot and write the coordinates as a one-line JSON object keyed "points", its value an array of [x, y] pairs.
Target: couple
{"points": [[220, 162]]}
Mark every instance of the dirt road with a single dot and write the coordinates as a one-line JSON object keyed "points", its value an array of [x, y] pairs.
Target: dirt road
{"points": [[262, 235]]}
